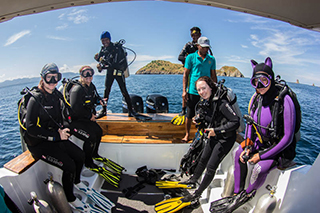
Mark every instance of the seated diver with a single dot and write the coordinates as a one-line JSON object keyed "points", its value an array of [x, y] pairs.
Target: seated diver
{"points": [[222, 125], [262, 150], [47, 139], [83, 98]]}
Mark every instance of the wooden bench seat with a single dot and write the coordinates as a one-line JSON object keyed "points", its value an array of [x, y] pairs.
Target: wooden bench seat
{"points": [[21, 163], [139, 139]]}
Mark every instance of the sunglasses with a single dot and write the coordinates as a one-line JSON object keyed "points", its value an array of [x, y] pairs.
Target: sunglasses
{"points": [[260, 81]]}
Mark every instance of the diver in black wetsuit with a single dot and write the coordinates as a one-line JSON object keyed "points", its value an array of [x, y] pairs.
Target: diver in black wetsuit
{"points": [[112, 58], [83, 98], [47, 139], [222, 125]]}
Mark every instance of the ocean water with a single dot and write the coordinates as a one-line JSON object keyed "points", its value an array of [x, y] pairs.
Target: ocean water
{"points": [[169, 86]]}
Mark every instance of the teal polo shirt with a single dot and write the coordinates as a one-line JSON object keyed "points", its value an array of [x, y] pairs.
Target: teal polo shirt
{"points": [[198, 68]]}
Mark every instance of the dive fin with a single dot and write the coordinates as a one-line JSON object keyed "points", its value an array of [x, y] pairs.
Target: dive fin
{"points": [[171, 205], [111, 164], [221, 205], [87, 208], [229, 204], [164, 184], [140, 117], [178, 120], [96, 197], [111, 178]]}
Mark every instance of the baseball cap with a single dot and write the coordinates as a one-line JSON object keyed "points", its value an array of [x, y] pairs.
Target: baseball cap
{"points": [[204, 42]]}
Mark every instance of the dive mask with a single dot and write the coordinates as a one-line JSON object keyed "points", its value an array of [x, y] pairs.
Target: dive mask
{"points": [[53, 79], [260, 81], [87, 73]]}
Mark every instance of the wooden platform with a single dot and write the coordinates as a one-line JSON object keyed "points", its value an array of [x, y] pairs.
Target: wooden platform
{"points": [[119, 128], [20, 163]]}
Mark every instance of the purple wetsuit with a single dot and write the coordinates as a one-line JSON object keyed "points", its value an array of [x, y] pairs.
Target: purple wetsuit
{"points": [[269, 153]]}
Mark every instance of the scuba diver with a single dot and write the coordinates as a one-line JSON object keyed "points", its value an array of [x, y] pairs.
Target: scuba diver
{"points": [[220, 122], [262, 147], [47, 139], [83, 99], [113, 59]]}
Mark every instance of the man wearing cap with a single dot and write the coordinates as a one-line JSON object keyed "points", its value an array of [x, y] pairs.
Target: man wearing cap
{"points": [[191, 46], [196, 65]]}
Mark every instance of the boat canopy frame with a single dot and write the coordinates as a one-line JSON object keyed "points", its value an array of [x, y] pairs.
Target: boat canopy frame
{"points": [[301, 13]]}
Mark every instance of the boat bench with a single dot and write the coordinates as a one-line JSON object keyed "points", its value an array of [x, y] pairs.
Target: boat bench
{"points": [[21, 163], [119, 128]]}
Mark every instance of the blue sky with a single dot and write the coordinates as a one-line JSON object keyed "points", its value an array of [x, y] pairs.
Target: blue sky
{"points": [[155, 30]]}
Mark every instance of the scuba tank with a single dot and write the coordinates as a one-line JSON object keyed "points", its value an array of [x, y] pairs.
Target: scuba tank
{"points": [[229, 183], [40, 206], [56, 194], [267, 202]]}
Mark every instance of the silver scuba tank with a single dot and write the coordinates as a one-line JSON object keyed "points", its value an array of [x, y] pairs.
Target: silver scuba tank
{"points": [[57, 195], [40, 206], [229, 183], [267, 202]]}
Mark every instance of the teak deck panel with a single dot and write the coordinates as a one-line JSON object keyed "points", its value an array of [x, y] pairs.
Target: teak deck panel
{"points": [[20, 163]]}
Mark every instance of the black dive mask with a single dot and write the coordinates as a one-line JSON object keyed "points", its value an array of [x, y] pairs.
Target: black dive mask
{"points": [[53, 80], [87, 73]]}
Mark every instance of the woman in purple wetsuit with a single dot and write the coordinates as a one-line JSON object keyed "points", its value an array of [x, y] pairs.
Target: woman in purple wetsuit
{"points": [[265, 151]]}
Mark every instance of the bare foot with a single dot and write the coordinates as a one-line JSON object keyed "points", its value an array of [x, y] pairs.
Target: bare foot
{"points": [[185, 139]]}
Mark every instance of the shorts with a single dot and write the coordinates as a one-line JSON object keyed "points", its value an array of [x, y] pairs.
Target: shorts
{"points": [[191, 104]]}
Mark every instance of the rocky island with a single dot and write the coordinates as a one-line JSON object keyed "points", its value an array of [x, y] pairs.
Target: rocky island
{"points": [[161, 67]]}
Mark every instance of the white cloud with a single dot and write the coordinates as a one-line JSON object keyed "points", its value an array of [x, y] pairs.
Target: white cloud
{"points": [[58, 38], [16, 37], [244, 46], [237, 59], [62, 27], [248, 18], [285, 47], [78, 16]]}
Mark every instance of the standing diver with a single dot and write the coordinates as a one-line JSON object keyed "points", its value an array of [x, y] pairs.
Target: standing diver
{"points": [[262, 150], [83, 99], [221, 123], [47, 139], [110, 59]]}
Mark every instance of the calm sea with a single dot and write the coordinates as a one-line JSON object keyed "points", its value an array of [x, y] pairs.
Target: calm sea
{"points": [[169, 86]]}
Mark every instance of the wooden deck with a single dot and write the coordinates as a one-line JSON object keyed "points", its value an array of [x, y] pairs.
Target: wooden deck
{"points": [[119, 128]]}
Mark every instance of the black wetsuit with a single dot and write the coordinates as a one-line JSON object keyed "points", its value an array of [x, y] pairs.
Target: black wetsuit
{"points": [[44, 142], [188, 48], [224, 122], [82, 100], [109, 58]]}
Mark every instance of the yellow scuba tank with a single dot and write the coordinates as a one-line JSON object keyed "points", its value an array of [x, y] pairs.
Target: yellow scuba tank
{"points": [[267, 202], [57, 195], [40, 206], [229, 183]]}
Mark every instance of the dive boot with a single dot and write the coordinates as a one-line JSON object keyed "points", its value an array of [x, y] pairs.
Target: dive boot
{"points": [[110, 164]]}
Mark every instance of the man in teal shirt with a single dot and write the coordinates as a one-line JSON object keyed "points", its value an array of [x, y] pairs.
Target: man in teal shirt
{"points": [[196, 65]]}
